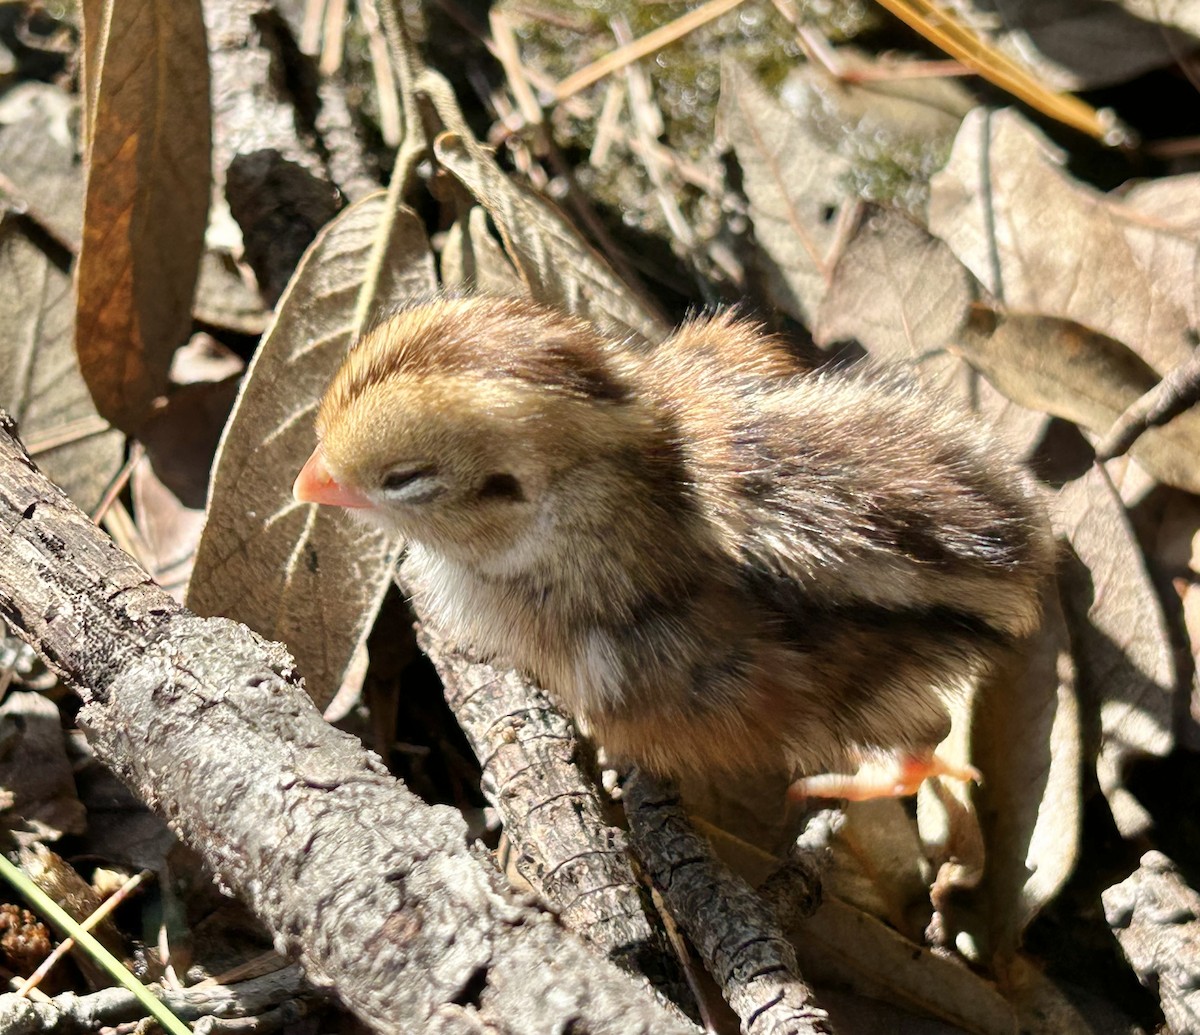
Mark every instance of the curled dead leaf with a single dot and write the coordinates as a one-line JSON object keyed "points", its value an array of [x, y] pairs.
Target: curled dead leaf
{"points": [[295, 572], [473, 260], [557, 265], [146, 199], [1042, 242], [1026, 740], [1066, 369], [1124, 653]]}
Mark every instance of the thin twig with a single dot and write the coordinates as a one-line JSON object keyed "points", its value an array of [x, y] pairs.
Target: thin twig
{"points": [[736, 932], [310, 28], [1178, 391], [65, 434], [510, 60], [576, 106], [391, 122], [118, 483], [648, 124], [334, 37], [607, 125], [67, 944], [945, 30], [643, 47]]}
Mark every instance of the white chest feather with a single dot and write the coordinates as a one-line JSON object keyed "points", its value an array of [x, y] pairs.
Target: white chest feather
{"points": [[482, 611]]}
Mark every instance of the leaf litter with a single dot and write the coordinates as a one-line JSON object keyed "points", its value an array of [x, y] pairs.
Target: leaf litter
{"points": [[1031, 297]]}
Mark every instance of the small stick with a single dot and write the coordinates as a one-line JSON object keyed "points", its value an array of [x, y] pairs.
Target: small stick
{"points": [[643, 47], [68, 943], [117, 485], [1178, 391], [510, 60], [38, 442], [735, 931]]}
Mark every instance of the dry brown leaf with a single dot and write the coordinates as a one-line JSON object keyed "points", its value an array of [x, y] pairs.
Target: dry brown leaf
{"points": [[34, 767], [841, 944], [37, 158], [1182, 14], [225, 298], [1169, 199], [902, 294], [42, 387], [169, 529], [879, 866], [1040, 1005], [896, 289], [472, 259], [795, 186], [1177, 553], [299, 573], [556, 265], [1074, 46], [169, 482], [1122, 647], [1072, 372], [1042, 242], [1026, 740], [748, 817], [146, 199], [896, 132]]}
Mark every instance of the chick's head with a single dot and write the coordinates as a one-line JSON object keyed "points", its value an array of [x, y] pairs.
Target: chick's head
{"points": [[452, 422]]}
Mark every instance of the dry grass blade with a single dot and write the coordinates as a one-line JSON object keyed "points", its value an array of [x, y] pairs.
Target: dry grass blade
{"points": [[39, 174], [294, 572], [637, 49], [146, 200], [558, 266], [67, 944], [941, 27]]}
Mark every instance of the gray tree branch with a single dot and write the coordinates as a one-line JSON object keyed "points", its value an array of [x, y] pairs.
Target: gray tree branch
{"points": [[379, 896]]}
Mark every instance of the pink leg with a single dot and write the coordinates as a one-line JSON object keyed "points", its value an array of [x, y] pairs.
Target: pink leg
{"points": [[892, 778]]}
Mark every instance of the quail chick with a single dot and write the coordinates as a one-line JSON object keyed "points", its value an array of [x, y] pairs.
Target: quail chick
{"points": [[715, 561]]}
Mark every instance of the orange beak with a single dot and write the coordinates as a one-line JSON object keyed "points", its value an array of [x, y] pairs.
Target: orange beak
{"points": [[314, 484]]}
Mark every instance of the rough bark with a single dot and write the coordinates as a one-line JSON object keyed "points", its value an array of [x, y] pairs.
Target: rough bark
{"points": [[378, 895], [1155, 916], [568, 850], [281, 991], [741, 943]]}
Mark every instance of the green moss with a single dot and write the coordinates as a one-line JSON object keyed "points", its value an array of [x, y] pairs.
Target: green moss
{"points": [[686, 74]]}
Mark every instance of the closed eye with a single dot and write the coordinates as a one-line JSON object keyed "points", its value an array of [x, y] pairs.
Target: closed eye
{"points": [[398, 479], [412, 484]]}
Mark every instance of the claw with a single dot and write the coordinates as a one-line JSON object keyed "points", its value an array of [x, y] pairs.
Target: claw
{"points": [[894, 778]]}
